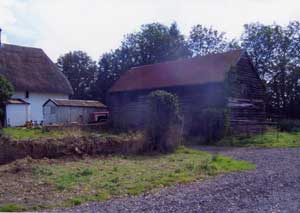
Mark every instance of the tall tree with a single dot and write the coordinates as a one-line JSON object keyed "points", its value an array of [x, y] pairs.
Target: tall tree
{"points": [[6, 91], [154, 43], [203, 40], [81, 70], [275, 51]]}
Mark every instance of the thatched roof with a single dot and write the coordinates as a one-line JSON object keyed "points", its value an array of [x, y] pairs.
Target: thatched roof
{"points": [[184, 72], [30, 69], [76, 103]]}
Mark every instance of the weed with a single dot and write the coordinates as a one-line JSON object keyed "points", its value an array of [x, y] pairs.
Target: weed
{"points": [[76, 201], [12, 208]]}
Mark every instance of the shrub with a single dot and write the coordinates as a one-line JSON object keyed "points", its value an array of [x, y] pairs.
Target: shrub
{"points": [[164, 123], [6, 91], [210, 124], [289, 125]]}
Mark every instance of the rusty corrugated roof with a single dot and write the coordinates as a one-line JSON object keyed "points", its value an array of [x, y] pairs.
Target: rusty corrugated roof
{"points": [[193, 71], [77, 103]]}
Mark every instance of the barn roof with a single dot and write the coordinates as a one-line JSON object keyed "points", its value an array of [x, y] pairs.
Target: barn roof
{"points": [[193, 71], [30, 69], [76, 103]]}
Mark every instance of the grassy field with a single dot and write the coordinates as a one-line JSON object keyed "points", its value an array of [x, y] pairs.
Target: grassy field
{"points": [[19, 133], [23, 133], [38, 184], [271, 138]]}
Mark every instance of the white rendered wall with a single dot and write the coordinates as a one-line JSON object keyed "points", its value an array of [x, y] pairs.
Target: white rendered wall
{"points": [[36, 101], [16, 114]]}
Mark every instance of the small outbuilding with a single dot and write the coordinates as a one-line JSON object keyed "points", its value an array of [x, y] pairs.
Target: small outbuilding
{"points": [[16, 112], [60, 111]]}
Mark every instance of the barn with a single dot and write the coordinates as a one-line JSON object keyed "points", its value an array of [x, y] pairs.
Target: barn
{"points": [[226, 80], [61, 111]]}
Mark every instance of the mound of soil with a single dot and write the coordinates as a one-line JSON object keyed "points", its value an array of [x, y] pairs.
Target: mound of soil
{"points": [[11, 150]]}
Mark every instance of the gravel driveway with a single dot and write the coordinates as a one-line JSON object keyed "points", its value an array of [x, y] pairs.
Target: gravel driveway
{"points": [[273, 187]]}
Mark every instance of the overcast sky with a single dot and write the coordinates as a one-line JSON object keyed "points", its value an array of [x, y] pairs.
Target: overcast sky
{"points": [[97, 26]]}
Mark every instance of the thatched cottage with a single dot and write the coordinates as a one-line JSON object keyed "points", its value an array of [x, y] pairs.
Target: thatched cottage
{"points": [[216, 80], [35, 78]]}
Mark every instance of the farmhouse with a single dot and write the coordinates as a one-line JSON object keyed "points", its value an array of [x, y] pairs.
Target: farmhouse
{"points": [[59, 111], [224, 80], [35, 79]]}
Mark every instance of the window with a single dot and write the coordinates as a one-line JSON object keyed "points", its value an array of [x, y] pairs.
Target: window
{"points": [[27, 94]]}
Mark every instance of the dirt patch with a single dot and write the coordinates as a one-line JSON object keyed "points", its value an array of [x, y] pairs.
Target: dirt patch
{"points": [[11, 150], [19, 185]]}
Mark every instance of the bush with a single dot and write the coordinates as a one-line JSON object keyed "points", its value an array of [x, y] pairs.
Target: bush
{"points": [[6, 91], [164, 124], [210, 124], [289, 125]]}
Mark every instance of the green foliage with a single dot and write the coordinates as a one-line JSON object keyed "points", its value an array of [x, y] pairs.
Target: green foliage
{"points": [[289, 125], [271, 138], [275, 50], [163, 121], [80, 70], [203, 41], [6, 91], [210, 124], [153, 43], [11, 208]]}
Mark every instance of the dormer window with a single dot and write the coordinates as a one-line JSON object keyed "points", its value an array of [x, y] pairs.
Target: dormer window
{"points": [[27, 94]]}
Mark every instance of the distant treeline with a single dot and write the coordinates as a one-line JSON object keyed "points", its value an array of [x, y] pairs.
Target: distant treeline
{"points": [[274, 50]]}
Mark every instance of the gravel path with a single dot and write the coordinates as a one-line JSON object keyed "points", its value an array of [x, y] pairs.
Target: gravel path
{"points": [[273, 187]]}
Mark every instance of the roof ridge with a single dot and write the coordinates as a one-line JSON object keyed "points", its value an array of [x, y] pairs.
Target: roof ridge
{"points": [[19, 46], [191, 71], [187, 59]]}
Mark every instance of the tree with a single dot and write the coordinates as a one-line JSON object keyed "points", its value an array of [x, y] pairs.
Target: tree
{"points": [[203, 41], [81, 70], [275, 52], [6, 91], [154, 43]]}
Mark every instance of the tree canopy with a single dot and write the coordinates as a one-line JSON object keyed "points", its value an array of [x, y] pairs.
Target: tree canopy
{"points": [[80, 69], [274, 50]]}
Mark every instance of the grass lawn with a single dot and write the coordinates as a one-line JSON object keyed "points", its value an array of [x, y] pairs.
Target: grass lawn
{"points": [[20, 133], [38, 184], [271, 138]]}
